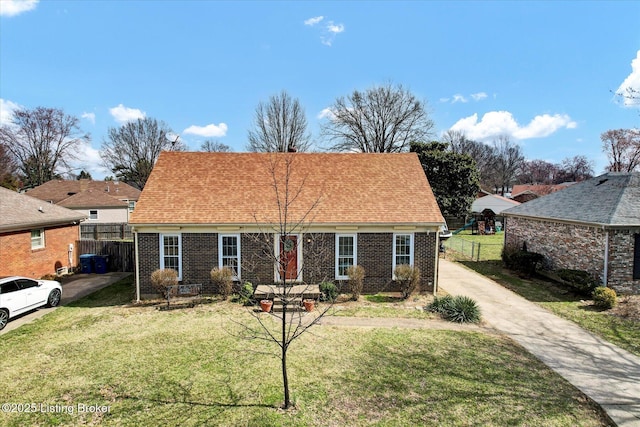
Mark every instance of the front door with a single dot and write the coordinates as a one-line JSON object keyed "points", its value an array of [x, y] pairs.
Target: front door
{"points": [[288, 258]]}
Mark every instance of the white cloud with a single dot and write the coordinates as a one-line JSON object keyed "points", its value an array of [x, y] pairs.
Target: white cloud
{"points": [[444, 99], [335, 28], [496, 123], [632, 82], [16, 7], [208, 130], [478, 96], [313, 21], [458, 98], [89, 160], [89, 116], [326, 113], [124, 114], [6, 112]]}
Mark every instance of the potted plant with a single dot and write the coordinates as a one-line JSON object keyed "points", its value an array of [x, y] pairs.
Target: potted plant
{"points": [[309, 304], [266, 304]]}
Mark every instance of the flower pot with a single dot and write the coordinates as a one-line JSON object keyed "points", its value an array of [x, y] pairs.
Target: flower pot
{"points": [[266, 304], [309, 304]]}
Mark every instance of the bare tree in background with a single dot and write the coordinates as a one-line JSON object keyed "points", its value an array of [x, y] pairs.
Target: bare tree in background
{"points": [[382, 119], [574, 169], [8, 169], [42, 142], [537, 172], [280, 125], [508, 160], [482, 153], [292, 218], [622, 147], [214, 147], [131, 150]]}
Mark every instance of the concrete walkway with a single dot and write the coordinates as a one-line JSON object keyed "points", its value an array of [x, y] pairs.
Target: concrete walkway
{"points": [[80, 286], [606, 373]]}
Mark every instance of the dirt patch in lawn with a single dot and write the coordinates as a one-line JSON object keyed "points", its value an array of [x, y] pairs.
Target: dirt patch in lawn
{"points": [[628, 307]]}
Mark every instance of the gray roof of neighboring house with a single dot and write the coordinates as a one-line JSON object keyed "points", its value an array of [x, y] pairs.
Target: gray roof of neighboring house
{"points": [[22, 212], [611, 199]]}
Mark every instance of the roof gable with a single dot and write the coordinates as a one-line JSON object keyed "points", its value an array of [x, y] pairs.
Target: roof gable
{"points": [[21, 212], [609, 199], [238, 188]]}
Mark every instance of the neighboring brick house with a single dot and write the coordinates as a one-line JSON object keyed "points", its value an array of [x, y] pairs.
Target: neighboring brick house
{"points": [[35, 236], [593, 225], [204, 210], [100, 201]]}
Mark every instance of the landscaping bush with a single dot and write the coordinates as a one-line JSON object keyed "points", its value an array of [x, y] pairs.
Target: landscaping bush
{"points": [[580, 280], [356, 281], [409, 279], [329, 291], [522, 260], [223, 279], [161, 279], [604, 297], [245, 294], [459, 309]]}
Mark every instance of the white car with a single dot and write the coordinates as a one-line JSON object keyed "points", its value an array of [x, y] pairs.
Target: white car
{"points": [[20, 294]]}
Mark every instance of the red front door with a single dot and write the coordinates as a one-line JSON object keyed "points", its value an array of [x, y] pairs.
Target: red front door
{"points": [[288, 257]]}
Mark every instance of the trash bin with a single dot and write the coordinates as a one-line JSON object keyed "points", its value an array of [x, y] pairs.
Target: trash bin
{"points": [[100, 263], [86, 263]]}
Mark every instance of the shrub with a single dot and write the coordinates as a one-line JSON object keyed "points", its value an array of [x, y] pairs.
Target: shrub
{"points": [[522, 260], [459, 309], [409, 279], [440, 304], [161, 279], [604, 297], [582, 281], [356, 281], [245, 294], [329, 291], [223, 279]]}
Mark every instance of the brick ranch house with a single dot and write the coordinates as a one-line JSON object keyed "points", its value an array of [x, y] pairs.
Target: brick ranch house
{"points": [[35, 236], [204, 210], [593, 225]]}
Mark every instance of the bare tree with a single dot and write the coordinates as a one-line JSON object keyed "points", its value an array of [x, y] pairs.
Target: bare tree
{"points": [[291, 217], [482, 153], [132, 149], [508, 160], [214, 147], [42, 141], [280, 125], [8, 169], [574, 169], [622, 147], [382, 119], [538, 172]]}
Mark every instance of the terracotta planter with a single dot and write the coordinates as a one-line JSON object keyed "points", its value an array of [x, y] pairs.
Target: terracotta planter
{"points": [[266, 304], [309, 304]]}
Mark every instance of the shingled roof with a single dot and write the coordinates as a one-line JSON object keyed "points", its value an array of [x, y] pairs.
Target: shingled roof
{"points": [[92, 199], [237, 188], [612, 199], [22, 212], [57, 190]]}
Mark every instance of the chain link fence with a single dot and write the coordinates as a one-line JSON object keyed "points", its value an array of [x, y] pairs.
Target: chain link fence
{"points": [[474, 251]]}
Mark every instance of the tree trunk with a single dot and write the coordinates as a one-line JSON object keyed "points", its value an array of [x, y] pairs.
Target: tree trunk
{"points": [[285, 378]]}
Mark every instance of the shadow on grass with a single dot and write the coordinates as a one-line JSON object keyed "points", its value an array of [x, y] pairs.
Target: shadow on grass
{"points": [[120, 293]]}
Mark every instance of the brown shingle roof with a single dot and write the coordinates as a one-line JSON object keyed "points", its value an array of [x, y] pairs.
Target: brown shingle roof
{"points": [[58, 190], [237, 188], [92, 199], [21, 212]]}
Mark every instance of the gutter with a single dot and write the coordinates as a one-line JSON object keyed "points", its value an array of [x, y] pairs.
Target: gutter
{"points": [[137, 272], [606, 257]]}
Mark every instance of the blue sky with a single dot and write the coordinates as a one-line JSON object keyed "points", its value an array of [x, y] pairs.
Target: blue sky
{"points": [[540, 72]]}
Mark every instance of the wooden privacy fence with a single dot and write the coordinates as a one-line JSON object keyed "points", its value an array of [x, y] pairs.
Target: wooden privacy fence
{"points": [[121, 253], [106, 231]]}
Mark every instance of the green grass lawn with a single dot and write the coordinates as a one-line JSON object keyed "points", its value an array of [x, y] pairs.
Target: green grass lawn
{"points": [[489, 245], [604, 323], [186, 367]]}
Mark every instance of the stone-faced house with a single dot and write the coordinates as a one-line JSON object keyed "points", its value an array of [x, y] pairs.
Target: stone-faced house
{"points": [[593, 225], [321, 212], [36, 238]]}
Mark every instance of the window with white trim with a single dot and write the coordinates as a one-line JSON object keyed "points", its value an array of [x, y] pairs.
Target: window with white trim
{"points": [[37, 239], [171, 252], [229, 253], [93, 214], [402, 249], [132, 205], [346, 254]]}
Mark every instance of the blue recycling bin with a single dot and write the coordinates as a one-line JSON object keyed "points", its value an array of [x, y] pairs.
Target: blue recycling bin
{"points": [[100, 263], [86, 263]]}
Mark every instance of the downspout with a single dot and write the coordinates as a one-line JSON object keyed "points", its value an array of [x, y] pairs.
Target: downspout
{"points": [[437, 264], [606, 257], [135, 240]]}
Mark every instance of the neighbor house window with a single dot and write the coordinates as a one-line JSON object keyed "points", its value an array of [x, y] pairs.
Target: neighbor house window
{"points": [[93, 214], [402, 249], [346, 252], [229, 253], [636, 258], [132, 205], [37, 239], [171, 252]]}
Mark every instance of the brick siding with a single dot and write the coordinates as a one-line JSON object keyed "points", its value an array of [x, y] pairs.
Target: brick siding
{"points": [[149, 261], [199, 257]]}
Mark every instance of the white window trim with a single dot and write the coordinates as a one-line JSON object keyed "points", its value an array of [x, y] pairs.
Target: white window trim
{"points": [[276, 267], [42, 243], [97, 214], [337, 255], [162, 236], [237, 236], [411, 250]]}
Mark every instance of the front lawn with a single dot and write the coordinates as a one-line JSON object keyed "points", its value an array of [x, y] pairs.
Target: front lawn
{"points": [[185, 367], [476, 246]]}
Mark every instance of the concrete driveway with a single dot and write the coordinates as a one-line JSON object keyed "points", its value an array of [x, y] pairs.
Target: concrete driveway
{"points": [[80, 286], [606, 373]]}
